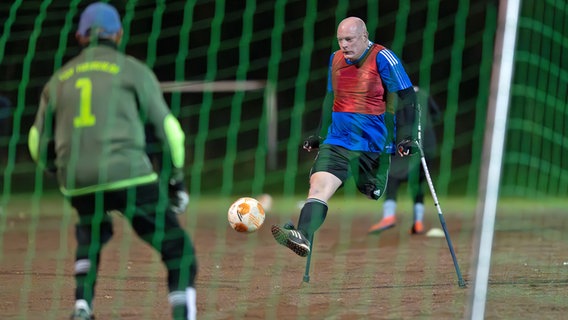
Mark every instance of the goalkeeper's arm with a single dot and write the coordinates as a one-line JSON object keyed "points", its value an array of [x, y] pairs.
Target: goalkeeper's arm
{"points": [[40, 138], [168, 158]]}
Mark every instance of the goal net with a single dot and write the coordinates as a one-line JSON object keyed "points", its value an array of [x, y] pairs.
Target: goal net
{"points": [[246, 79]]}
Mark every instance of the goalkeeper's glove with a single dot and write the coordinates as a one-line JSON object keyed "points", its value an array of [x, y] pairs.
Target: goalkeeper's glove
{"points": [[407, 147], [312, 142], [178, 195]]}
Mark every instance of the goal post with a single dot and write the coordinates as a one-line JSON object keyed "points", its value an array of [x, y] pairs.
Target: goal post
{"points": [[270, 103], [492, 158]]}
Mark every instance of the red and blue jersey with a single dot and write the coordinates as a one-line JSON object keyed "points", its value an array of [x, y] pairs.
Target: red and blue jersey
{"points": [[360, 91]]}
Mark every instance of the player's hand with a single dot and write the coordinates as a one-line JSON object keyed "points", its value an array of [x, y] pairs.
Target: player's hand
{"points": [[179, 197], [406, 147], [312, 142]]}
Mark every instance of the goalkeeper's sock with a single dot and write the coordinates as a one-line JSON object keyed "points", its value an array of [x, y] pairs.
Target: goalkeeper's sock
{"points": [[312, 216], [84, 282], [183, 304], [418, 211], [389, 208]]}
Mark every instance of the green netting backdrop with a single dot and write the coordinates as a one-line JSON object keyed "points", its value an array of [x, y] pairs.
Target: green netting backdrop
{"points": [[447, 48], [536, 153], [284, 43]]}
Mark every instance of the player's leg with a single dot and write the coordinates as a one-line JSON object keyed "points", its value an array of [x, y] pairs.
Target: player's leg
{"points": [[93, 230], [322, 186], [416, 182], [326, 175], [388, 219], [312, 215], [374, 181], [158, 226], [389, 205]]}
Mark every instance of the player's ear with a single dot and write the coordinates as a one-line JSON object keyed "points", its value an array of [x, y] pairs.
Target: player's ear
{"points": [[82, 40], [118, 36]]}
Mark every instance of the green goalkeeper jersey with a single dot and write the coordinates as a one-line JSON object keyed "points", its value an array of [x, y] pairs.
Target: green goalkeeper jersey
{"points": [[91, 123]]}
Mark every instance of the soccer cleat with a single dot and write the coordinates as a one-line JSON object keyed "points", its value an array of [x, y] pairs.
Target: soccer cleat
{"points": [[289, 226], [291, 238], [384, 224], [417, 228]]}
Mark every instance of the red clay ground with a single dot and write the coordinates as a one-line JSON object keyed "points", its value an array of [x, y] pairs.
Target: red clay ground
{"points": [[352, 275]]}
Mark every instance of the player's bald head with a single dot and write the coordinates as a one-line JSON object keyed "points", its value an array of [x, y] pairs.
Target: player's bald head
{"points": [[352, 25]]}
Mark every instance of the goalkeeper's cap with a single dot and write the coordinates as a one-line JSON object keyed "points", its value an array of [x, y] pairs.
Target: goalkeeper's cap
{"points": [[100, 19]]}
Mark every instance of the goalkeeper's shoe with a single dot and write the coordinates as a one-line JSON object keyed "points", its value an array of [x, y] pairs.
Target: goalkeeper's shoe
{"points": [[291, 238], [417, 228], [384, 224], [82, 311]]}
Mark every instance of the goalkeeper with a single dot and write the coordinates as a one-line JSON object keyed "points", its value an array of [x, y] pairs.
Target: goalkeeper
{"points": [[89, 130], [409, 170], [355, 123]]}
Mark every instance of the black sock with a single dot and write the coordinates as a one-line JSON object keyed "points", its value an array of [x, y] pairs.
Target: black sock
{"points": [[312, 216]]}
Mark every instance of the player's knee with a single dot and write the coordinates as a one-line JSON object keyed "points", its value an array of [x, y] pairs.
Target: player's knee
{"points": [[323, 185]]}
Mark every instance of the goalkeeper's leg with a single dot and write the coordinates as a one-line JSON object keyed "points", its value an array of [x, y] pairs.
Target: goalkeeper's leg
{"points": [[157, 225], [91, 232]]}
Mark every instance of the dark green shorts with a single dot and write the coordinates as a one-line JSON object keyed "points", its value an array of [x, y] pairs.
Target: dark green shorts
{"points": [[369, 169]]}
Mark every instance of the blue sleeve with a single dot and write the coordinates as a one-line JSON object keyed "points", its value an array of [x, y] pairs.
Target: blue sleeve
{"points": [[329, 85], [391, 71]]}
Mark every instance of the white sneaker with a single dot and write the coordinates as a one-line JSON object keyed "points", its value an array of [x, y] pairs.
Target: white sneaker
{"points": [[82, 311]]}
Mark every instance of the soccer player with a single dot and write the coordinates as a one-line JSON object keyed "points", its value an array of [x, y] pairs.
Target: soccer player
{"points": [[90, 131], [409, 170], [357, 126]]}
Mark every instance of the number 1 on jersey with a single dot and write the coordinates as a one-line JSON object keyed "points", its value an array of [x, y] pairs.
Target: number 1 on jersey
{"points": [[85, 117]]}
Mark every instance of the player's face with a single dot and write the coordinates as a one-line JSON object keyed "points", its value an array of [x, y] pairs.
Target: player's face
{"points": [[352, 42]]}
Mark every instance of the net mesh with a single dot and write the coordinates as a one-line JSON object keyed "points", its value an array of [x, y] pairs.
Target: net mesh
{"points": [[237, 145], [535, 157]]}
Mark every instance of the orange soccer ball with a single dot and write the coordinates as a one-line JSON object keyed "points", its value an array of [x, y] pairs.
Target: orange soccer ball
{"points": [[246, 215]]}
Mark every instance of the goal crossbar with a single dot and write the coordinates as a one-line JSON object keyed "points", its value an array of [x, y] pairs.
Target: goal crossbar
{"points": [[270, 102]]}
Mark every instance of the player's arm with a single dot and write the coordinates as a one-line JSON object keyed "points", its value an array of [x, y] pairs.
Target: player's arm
{"points": [[168, 132], [313, 141], [396, 80], [40, 138]]}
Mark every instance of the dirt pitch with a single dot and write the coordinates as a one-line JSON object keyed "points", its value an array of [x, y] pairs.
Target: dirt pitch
{"points": [[352, 275]]}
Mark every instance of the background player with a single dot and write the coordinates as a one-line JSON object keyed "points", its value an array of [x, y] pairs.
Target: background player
{"points": [[409, 170]]}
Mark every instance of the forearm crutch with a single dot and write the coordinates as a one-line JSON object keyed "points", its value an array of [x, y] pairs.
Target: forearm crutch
{"points": [[461, 281]]}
